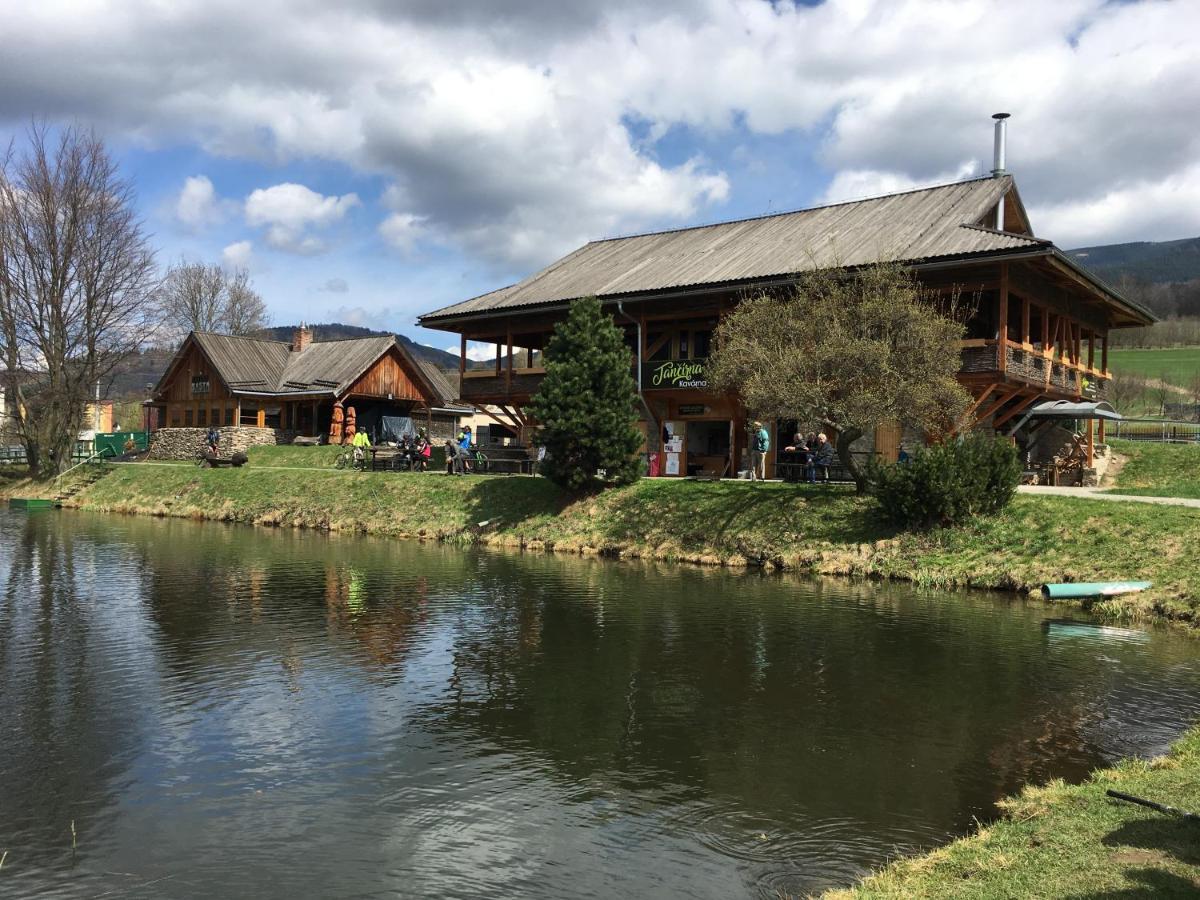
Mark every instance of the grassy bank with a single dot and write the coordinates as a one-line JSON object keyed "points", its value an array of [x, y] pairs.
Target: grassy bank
{"points": [[796, 527], [1158, 470], [1069, 841]]}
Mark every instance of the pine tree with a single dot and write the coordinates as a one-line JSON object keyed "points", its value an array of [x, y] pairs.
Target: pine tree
{"points": [[586, 402]]}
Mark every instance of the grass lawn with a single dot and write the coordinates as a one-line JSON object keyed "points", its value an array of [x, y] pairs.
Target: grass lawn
{"points": [[1158, 470], [1176, 365], [818, 529], [1070, 841]]}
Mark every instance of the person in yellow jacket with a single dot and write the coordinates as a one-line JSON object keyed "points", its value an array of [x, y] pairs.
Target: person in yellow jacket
{"points": [[360, 443]]}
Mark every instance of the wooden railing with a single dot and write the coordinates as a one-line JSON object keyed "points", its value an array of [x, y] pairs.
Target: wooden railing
{"points": [[1030, 363]]}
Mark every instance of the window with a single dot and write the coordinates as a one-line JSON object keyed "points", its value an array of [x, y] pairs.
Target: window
{"points": [[175, 417], [662, 351], [683, 345], [200, 384], [229, 415], [701, 344], [187, 418], [202, 416]]}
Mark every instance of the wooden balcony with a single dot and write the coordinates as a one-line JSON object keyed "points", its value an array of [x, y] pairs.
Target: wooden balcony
{"points": [[1027, 364], [485, 386]]}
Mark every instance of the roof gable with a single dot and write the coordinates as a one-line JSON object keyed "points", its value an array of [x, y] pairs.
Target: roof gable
{"points": [[254, 366]]}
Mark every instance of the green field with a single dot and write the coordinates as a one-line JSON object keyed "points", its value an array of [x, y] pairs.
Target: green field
{"points": [[1176, 365]]}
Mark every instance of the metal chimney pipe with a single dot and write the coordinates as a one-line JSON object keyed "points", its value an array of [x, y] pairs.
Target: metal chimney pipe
{"points": [[999, 144]]}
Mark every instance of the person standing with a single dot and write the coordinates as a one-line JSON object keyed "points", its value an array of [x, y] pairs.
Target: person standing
{"points": [[760, 445], [465, 454]]}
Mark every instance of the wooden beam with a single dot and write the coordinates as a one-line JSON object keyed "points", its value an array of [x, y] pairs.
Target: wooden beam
{"points": [[1104, 353], [1002, 350], [965, 418], [1091, 443], [498, 358], [1016, 410], [1091, 350], [1102, 431], [999, 403]]}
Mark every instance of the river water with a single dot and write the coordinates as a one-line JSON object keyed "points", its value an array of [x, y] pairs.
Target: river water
{"points": [[223, 711]]}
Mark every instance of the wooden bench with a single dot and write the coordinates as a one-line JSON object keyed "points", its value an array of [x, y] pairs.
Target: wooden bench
{"points": [[791, 469], [505, 461]]}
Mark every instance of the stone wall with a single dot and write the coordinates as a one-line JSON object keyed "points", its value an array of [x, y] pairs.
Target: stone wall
{"points": [[185, 443]]}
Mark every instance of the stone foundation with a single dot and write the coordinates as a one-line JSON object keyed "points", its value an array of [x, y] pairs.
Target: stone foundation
{"points": [[185, 443]]}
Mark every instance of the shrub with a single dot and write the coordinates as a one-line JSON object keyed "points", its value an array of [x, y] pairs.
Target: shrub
{"points": [[948, 483]]}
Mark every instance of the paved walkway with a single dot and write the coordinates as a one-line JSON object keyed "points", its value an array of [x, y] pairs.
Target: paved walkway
{"points": [[1091, 493]]}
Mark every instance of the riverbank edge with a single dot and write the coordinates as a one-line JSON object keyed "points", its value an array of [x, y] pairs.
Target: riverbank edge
{"points": [[1059, 839], [737, 525]]}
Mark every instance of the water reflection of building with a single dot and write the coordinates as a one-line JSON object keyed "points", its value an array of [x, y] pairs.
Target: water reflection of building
{"points": [[382, 614]]}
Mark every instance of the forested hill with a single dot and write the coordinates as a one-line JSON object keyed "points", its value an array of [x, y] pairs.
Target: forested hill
{"points": [[336, 331], [1149, 262]]}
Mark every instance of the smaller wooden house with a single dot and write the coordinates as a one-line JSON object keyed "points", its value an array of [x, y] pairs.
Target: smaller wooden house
{"points": [[228, 381]]}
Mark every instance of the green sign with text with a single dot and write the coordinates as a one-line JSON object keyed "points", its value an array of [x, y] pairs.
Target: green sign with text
{"points": [[675, 374]]}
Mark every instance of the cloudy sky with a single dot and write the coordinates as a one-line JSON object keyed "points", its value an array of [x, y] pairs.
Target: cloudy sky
{"points": [[369, 160]]}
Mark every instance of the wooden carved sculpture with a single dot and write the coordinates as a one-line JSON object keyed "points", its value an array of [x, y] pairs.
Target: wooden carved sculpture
{"points": [[335, 426], [351, 426]]}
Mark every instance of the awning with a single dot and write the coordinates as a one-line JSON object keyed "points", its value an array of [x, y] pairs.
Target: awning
{"points": [[1067, 409]]}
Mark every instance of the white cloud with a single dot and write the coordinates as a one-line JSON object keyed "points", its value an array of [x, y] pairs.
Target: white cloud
{"points": [[475, 351], [507, 127], [238, 255], [335, 286], [197, 205], [402, 230], [377, 319], [287, 212], [857, 184]]}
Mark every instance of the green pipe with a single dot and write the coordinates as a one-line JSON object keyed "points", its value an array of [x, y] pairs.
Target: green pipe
{"points": [[1092, 589]]}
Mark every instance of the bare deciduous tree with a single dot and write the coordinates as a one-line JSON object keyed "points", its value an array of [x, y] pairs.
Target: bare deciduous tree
{"points": [[1124, 391], [77, 278], [245, 311], [201, 297]]}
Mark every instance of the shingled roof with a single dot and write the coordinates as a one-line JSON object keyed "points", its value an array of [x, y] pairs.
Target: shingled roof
{"points": [[936, 223], [256, 366]]}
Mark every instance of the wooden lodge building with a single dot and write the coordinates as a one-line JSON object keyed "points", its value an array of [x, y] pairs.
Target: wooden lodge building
{"points": [[1040, 330], [274, 390]]}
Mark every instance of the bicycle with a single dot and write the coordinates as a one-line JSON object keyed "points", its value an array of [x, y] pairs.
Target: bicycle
{"points": [[349, 459]]}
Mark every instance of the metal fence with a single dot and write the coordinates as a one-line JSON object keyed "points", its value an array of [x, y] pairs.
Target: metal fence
{"points": [[1156, 430], [15, 454]]}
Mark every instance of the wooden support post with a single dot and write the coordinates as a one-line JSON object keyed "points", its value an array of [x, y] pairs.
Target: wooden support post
{"points": [[1045, 328], [529, 357], [1104, 353], [508, 368], [462, 362], [1024, 320], [1091, 442], [1002, 347], [262, 417], [498, 358], [316, 428], [1091, 350], [1102, 431]]}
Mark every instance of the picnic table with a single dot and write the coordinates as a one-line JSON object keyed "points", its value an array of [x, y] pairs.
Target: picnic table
{"points": [[385, 457], [511, 460]]}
